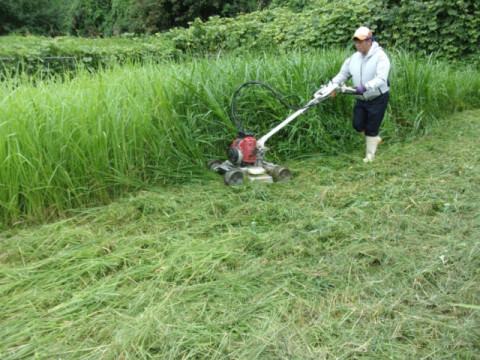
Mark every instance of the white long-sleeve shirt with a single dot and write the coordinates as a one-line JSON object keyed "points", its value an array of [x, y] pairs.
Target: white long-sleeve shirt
{"points": [[370, 71]]}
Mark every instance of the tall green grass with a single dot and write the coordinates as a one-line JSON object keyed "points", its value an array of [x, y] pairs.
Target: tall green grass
{"points": [[70, 142], [425, 89]]}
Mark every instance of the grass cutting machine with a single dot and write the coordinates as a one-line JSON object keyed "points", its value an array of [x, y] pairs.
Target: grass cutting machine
{"points": [[246, 155]]}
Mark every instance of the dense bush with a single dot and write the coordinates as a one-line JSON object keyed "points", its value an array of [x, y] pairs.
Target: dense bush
{"points": [[91, 17], [451, 28], [160, 15], [446, 28], [44, 56], [45, 17], [112, 17], [326, 25]]}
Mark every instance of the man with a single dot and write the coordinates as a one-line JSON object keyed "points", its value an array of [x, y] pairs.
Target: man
{"points": [[368, 68]]}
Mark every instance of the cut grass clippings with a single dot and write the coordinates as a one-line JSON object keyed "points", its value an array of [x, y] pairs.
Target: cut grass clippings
{"points": [[347, 260]]}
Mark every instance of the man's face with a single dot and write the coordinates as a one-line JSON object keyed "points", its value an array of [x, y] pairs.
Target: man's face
{"points": [[363, 45]]}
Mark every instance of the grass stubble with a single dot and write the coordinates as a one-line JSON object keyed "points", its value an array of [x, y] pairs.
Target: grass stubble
{"points": [[347, 260]]}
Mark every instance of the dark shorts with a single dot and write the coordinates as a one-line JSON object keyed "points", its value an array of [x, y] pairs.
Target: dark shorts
{"points": [[368, 115]]}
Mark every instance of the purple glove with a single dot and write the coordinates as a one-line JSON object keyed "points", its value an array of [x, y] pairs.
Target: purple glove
{"points": [[360, 89]]}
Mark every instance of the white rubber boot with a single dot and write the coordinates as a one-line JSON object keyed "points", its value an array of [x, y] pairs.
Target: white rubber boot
{"points": [[372, 143]]}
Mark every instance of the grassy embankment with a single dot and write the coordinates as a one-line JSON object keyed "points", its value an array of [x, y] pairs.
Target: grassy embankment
{"points": [[347, 260], [81, 141]]}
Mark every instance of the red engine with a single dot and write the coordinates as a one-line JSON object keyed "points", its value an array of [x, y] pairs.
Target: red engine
{"points": [[243, 150]]}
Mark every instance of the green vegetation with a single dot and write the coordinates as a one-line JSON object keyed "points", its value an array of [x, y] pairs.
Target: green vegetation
{"points": [[448, 29], [40, 57], [111, 17], [118, 243], [347, 260], [73, 142]]}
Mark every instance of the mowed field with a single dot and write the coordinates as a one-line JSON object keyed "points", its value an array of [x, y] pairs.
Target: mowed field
{"points": [[347, 260]]}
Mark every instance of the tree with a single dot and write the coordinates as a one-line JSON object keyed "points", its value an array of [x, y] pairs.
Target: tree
{"points": [[161, 15], [8, 17], [44, 17], [88, 17], [100, 17]]}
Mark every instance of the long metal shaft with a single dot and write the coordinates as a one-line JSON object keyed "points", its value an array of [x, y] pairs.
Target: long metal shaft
{"points": [[264, 138], [324, 93]]}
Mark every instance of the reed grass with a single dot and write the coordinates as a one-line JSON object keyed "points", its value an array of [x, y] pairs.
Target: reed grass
{"points": [[72, 142], [347, 260], [424, 89]]}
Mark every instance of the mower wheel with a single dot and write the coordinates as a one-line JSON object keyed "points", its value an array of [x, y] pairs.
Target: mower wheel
{"points": [[233, 177], [280, 173], [212, 164]]}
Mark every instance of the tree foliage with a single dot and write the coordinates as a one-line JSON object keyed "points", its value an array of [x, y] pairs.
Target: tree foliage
{"points": [[113, 17], [100, 17], [450, 27], [43, 17], [159, 15]]}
